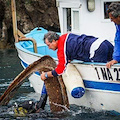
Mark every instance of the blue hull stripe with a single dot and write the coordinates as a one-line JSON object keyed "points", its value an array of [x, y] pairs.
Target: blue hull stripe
{"points": [[102, 85], [92, 84]]}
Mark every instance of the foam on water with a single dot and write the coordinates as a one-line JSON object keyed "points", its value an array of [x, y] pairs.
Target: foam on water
{"points": [[75, 113]]}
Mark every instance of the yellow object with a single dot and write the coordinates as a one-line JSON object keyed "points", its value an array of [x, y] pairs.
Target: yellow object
{"points": [[20, 111]]}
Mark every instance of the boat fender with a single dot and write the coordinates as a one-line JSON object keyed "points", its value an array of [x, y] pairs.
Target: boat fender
{"points": [[73, 81]]}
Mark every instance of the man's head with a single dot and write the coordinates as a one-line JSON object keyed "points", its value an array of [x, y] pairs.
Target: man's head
{"points": [[51, 40], [114, 12]]}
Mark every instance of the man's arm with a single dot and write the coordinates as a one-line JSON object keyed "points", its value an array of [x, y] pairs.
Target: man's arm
{"points": [[116, 54], [62, 61]]}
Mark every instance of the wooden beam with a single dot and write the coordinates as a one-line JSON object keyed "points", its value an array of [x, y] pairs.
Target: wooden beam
{"points": [[14, 20]]}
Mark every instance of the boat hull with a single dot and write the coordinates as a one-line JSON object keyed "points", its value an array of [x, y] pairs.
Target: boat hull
{"points": [[102, 86]]}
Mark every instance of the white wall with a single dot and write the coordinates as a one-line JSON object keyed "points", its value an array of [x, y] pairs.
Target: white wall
{"points": [[91, 23]]}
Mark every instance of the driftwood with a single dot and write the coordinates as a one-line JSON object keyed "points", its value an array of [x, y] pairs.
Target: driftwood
{"points": [[56, 91]]}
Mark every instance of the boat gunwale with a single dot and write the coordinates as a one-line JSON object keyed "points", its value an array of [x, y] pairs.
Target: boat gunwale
{"points": [[18, 46]]}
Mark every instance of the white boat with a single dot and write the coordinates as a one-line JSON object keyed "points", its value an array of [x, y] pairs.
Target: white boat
{"points": [[102, 85]]}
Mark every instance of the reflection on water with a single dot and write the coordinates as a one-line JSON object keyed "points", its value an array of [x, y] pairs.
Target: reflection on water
{"points": [[9, 68]]}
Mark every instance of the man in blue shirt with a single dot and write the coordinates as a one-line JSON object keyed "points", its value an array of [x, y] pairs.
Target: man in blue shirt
{"points": [[114, 15]]}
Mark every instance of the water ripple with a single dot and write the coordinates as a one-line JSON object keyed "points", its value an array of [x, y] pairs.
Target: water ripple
{"points": [[9, 68]]}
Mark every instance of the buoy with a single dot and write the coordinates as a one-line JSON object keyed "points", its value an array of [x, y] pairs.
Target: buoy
{"points": [[73, 81]]}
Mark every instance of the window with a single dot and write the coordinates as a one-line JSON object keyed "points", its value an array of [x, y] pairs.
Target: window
{"points": [[106, 4], [68, 19], [72, 19], [75, 20], [66, 14]]}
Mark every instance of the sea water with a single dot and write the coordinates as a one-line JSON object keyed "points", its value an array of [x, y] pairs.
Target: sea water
{"points": [[9, 68]]}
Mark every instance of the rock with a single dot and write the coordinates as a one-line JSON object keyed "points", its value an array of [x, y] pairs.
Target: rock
{"points": [[30, 14]]}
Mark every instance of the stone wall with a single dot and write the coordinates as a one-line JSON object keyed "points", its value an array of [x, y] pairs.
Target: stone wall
{"points": [[30, 14]]}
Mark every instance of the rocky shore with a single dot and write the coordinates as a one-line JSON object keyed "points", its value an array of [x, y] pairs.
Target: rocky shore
{"points": [[30, 14]]}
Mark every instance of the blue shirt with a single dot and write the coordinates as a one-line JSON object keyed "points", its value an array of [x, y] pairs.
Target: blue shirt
{"points": [[116, 54]]}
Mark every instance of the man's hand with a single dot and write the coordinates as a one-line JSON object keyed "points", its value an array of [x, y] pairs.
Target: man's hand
{"points": [[43, 76], [112, 62]]}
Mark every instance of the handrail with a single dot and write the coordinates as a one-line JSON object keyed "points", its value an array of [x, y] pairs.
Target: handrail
{"points": [[30, 39], [18, 35]]}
